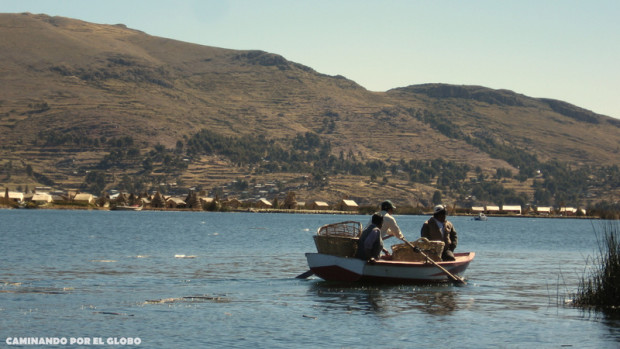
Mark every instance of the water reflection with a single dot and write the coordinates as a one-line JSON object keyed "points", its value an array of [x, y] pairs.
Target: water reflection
{"points": [[437, 302], [385, 301], [346, 298], [612, 321], [610, 318]]}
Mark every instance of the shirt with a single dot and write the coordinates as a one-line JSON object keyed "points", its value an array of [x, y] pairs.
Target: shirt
{"points": [[389, 226], [441, 229]]}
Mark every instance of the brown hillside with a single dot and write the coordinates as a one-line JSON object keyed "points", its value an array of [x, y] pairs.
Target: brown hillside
{"points": [[94, 80]]}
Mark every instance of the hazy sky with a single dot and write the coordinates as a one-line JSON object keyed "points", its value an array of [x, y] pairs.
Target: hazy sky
{"points": [[565, 49]]}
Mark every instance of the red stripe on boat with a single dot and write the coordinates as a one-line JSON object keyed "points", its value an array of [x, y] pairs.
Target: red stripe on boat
{"points": [[335, 273]]}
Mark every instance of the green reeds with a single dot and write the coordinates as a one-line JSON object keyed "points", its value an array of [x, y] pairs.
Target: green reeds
{"points": [[600, 288]]}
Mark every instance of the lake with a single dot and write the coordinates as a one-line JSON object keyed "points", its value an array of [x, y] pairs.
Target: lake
{"points": [[227, 280]]}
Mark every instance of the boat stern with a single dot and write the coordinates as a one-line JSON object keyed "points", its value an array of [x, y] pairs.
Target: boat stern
{"points": [[335, 268]]}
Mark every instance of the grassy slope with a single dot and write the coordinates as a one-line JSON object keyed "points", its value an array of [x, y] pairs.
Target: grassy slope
{"points": [[101, 80]]}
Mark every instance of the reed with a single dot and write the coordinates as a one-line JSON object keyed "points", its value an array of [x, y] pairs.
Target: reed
{"points": [[600, 288]]}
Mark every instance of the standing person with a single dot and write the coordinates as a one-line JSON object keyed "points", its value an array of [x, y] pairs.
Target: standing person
{"points": [[438, 228], [370, 243], [390, 228]]}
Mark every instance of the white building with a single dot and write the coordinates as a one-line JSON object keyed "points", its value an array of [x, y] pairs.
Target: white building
{"points": [[41, 198]]}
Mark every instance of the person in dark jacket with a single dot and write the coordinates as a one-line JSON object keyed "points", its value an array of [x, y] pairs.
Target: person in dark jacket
{"points": [[438, 228], [370, 243]]}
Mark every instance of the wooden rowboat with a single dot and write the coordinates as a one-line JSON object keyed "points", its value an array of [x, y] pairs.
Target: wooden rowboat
{"points": [[349, 269]]}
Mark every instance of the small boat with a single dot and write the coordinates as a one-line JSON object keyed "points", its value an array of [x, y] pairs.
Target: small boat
{"points": [[480, 217], [127, 208], [348, 269]]}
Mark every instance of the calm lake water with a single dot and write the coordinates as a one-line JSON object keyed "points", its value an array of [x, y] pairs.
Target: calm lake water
{"points": [[105, 276]]}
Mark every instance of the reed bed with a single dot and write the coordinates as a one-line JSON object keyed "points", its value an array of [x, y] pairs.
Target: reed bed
{"points": [[600, 287]]}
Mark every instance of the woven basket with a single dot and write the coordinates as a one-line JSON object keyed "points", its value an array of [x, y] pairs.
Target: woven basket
{"points": [[339, 239], [336, 245], [404, 252], [348, 228]]}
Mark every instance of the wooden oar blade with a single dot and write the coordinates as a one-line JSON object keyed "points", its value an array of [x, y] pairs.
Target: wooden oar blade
{"points": [[305, 275]]}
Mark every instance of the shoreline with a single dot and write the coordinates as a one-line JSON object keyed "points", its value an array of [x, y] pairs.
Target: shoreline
{"points": [[255, 210]]}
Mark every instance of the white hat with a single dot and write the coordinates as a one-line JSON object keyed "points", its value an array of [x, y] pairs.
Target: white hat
{"points": [[438, 209]]}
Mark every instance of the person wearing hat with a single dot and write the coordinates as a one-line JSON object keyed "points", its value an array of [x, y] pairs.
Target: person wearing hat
{"points": [[389, 228], [438, 228]]}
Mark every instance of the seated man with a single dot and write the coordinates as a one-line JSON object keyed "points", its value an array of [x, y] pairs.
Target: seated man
{"points": [[370, 243], [438, 228]]}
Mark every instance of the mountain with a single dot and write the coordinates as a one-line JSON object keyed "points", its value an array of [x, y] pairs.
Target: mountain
{"points": [[94, 106]]}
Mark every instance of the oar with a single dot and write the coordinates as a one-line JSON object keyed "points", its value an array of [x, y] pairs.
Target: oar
{"points": [[450, 275], [309, 273], [305, 275]]}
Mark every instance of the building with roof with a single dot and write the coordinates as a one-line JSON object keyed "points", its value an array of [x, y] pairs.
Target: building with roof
{"points": [[174, 202], [477, 209], [318, 205], [263, 203], [14, 196], [41, 198], [512, 209], [84, 198], [568, 211], [492, 209], [349, 205], [543, 210]]}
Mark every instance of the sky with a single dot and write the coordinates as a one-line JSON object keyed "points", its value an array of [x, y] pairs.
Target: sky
{"points": [[561, 49]]}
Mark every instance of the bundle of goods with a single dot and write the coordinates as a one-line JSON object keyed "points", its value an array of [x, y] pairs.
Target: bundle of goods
{"points": [[339, 239], [404, 252]]}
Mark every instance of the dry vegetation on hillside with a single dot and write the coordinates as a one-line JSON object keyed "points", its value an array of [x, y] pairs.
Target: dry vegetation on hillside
{"points": [[97, 84]]}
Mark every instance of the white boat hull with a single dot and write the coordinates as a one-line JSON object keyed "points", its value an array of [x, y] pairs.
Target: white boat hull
{"points": [[346, 269]]}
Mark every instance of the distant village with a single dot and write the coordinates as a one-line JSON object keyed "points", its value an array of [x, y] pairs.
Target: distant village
{"points": [[47, 197]]}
